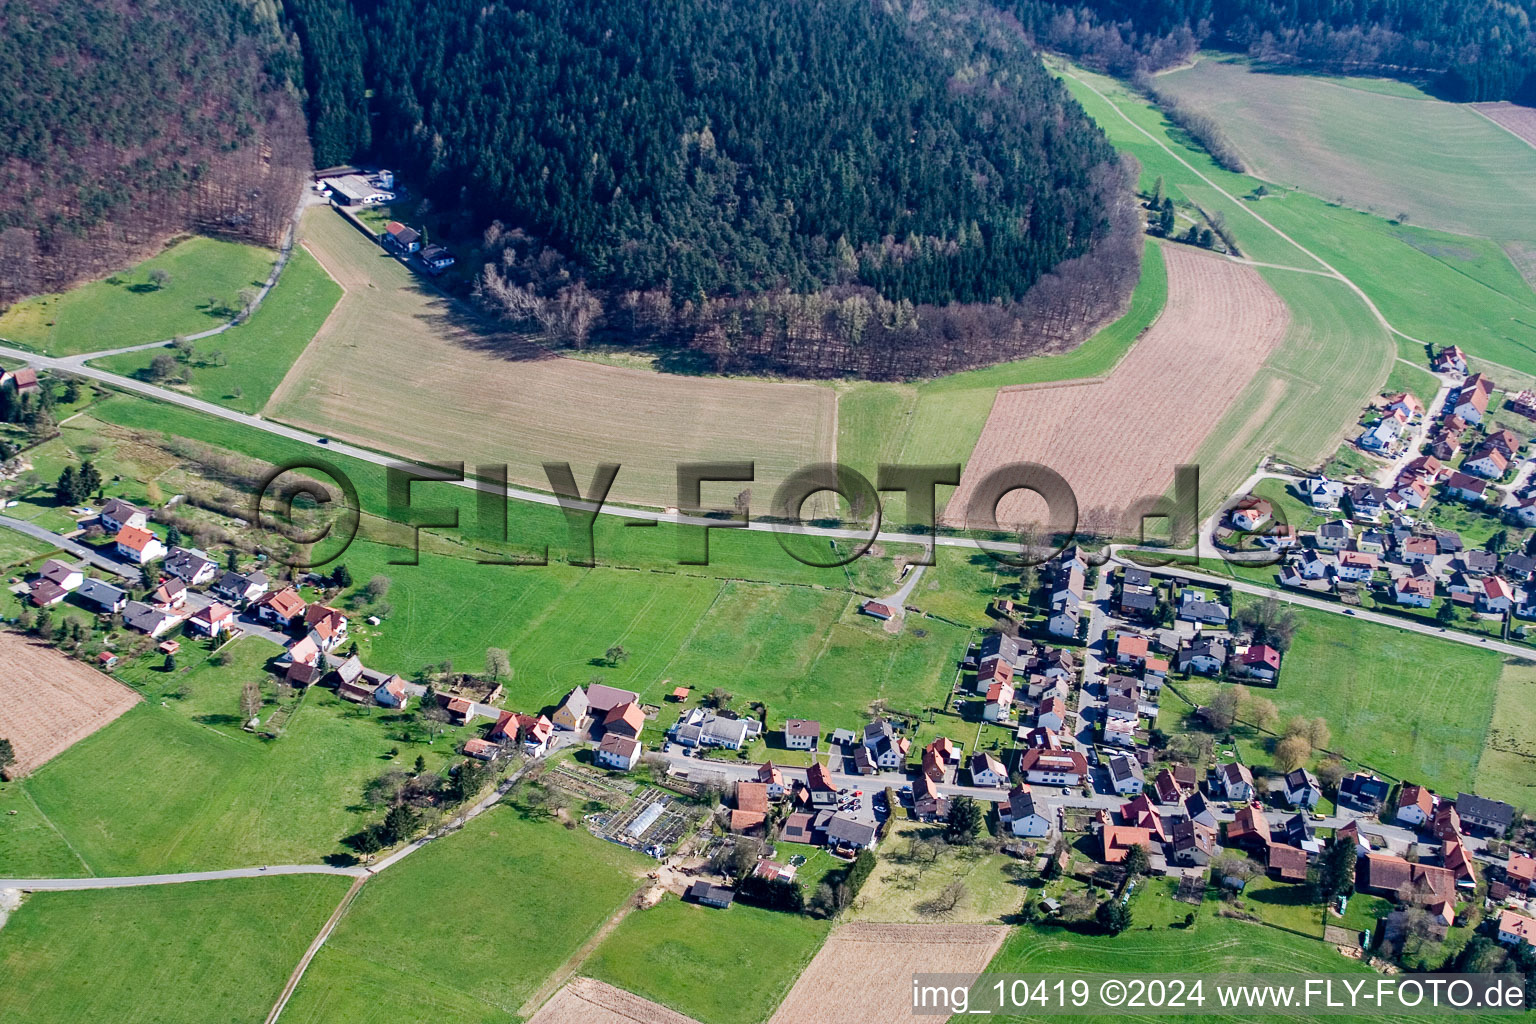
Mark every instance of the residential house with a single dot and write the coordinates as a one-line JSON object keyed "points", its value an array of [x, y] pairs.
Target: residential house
{"points": [[1520, 873], [1053, 767], [1124, 707], [1455, 858], [1196, 606], [1372, 541], [1167, 788], [1205, 656], [391, 693], [618, 752], [1363, 790], [999, 706], [239, 589], [480, 750], [1382, 435], [1116, 841], [1524, 511], [999, 646], [1516, 928], [1505, 441], [1249, 828], [1471, 401], [798, 828], [602, 699], [46, 594], [1023, 815], [212, 619], [304, 651], [532, 731], [1250, 513], [1131, 649], [1198, 809], [1414, 590], [1322, 492], [279, 608], [1125, 775], [1302, 788], [1312, 566], [138, 546], [1404, 402], [1524, 403], [327, 625], [1120, 733], [1497, 596], [887, 749], [1491, 817], [1467, 488], [987, 770], [1191, 844], [769, 775], [927, 804], [1140, 813], [1259, 661], [65, 577], [170, 595], [1051, 714], [702, 727], [1357, 566], [1236, 782], [117, 513], [193, 566], [1064, 620], [436, 259], [1451, 360], [1519, 567], [1367, 501], [1415, 805], [1417, 551], [1138, 603], [401, 238], [1487, 462], [1334, 535], [103, 595]]}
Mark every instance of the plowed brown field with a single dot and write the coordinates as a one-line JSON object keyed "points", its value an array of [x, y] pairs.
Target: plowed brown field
{"points": [[863, 975], [49, 702], [585, 1001], [398, 367], [1117, 440]]}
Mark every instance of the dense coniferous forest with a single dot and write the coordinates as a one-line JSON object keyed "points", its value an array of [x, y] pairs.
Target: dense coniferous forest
{"points": [[124, 123], [1468, 50]]}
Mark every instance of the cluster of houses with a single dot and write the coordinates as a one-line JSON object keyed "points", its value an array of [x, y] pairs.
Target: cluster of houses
{"points": [[406, 241], [1017, 677], [1068, 578]]}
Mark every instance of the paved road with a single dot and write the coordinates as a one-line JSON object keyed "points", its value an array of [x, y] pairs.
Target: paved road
{"points": [[96, 558], [124, 882]]}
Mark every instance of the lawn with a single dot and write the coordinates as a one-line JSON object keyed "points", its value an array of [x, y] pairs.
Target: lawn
{"points": [[684, 956], [1507, 769], [193, 953], [258, 353], [1418, 382], [895, 890], [206, 277], [16, 548], [465, 931], [1411, 706], [30, 847], [173, 787], [1442, 164]]}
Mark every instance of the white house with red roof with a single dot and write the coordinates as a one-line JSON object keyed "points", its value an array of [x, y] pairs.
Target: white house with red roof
{"points": [[137, 545], [212, 620], [1259, 661]]}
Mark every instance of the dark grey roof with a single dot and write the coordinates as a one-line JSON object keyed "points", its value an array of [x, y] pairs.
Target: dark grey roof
{"points": [[704, 892], [996, 645], [1135, 576], [1141, 600], [1021, 803], [1519, 563], [842, 829], [1122, 768], [1469, 804], [101, 592]]}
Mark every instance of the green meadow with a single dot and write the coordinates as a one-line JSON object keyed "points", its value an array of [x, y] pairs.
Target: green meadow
{"points": [[258, 353], [682, 956], [193, 953], [201, 292], [467, 930]]}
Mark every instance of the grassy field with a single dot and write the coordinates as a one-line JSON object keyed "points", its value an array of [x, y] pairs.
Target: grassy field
{"points": [[484, 397], [176, 787], [129, 309], [1420, 383], [1308, 394], [895, 890], [1442, 164], [171, 954], [465, 931], [1438, 287], [1507, 768], [16, 548], [1411, 706], [259, 353], [939, 420], [685, 957]]}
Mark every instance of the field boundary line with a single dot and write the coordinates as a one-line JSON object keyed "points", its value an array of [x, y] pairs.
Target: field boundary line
{"points": [[1477, 109], [314, 947], [49, 822], [567, 970]]}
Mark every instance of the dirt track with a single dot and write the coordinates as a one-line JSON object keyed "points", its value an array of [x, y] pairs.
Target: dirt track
{"points": [[863, 975], [1117, 440], [585, 1001], [49, 702]]}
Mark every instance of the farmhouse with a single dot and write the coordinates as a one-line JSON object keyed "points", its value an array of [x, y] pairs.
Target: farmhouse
{"points": [[328, 626], [1249, 829], [1287, 863], [1387, 875], [1116, 841], [391, 693], [629, 720], [532, 731]]}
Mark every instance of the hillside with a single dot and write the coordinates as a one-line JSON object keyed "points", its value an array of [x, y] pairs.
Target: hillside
{"points": [[708, 151], [125, 123], [1472, 50]]}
